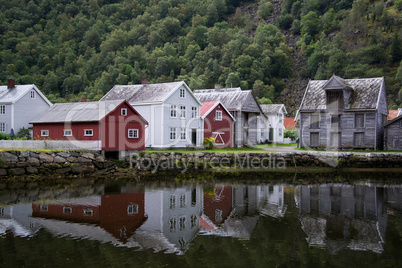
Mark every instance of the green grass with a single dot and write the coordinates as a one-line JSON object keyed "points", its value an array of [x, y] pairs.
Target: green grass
{"points": [[215, 150], [348, 151], [276, 145]]}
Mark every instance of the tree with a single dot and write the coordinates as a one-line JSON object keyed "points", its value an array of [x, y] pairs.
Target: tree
{"points": [[310, 24], [233, 80], [265, 9], [396, 49]]}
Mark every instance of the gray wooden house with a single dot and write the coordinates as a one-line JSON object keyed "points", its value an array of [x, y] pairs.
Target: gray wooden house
{"points": [[343, 113], [19, 105], [393, 134], [244, 107]]}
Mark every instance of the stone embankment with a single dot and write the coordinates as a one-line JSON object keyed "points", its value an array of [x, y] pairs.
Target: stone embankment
{"points": [[65, 163]]}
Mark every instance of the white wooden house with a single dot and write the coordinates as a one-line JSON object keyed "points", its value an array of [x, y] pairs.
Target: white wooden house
{"points": [[272, 123], [20, 104], [172, 111]]}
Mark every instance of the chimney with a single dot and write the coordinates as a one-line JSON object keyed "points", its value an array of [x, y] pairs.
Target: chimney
{"points": [[144, 80], [10, 83], [83, 99], [217, 87]]}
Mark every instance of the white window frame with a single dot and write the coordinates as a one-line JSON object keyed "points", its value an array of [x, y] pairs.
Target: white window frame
{"points": [[280, 132], [43, 207], [218, 115], [132, 133], [172, 201], [88, 212], [172, 133], [3, 127], [88, 134], [172, 225], [67, 210], [173, 111], [194, 112], [44, 133], [182, 223], [33, 95], [183, 200], [123, 111], [182, 133], [2, 109], [132, 209], [68, 132], [193, 221], [182, 111], [182, 93]]}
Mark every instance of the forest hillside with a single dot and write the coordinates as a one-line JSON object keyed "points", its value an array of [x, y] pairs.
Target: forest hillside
{"points": [[81, 48]]}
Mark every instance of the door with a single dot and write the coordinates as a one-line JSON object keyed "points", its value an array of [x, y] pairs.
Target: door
{"points": [[194, 136], [271, 134]]}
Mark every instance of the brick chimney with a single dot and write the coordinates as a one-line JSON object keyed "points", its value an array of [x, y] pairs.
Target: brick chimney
{"points": [[217, 87], [144, 80], [10, 83], [83, 99]]}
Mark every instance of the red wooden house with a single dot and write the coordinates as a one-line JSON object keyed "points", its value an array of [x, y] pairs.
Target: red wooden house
{"points": [[218, 206], [116, 124], [218, 123]]}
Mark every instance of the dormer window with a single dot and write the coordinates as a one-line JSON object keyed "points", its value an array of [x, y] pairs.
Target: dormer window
{"points": [[335, 100]]}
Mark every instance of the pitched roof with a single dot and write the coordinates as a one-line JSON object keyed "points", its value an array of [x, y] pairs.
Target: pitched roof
{"points": [[365, 93], [208, 107], [79, 112], [392, 114], [144, 93], [17, 92], [289, 122], [233, 100], [272, 108]]}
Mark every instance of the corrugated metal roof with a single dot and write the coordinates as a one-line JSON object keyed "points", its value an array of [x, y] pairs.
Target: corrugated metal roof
{"points": [[271, 108], [364, 94], [206, 106], [142, 93], [235, 100], [14, 94], [77, 112]]}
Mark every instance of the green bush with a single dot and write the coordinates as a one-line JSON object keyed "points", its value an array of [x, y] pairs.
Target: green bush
{"points": [[291, 133], [209, 143], [265, 10], [285, 21], [398, 4]]}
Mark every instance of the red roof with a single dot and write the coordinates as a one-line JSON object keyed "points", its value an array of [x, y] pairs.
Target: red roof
{"points": [[206, 106], [289, 122], [392, 114]]}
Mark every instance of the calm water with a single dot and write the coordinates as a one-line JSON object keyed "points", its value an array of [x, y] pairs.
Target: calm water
{"points": [[203, 225]]}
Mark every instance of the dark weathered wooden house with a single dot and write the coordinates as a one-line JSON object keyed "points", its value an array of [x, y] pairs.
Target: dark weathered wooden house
{"points": [[244, 107], [343, 113], [393, 134]]}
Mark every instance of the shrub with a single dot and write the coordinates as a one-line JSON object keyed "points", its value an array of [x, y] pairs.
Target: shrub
{"points": [[209, 143], [285, 21], [291, 133], [265, 10]]}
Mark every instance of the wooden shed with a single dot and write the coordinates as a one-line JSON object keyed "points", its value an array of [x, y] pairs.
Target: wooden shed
{"points": [[116, 124], [393, 134]]}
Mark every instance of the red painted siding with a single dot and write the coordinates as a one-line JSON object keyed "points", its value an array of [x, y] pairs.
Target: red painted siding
{"points": [[56, 211], [218, 206], [224, 126], [56, 131]]}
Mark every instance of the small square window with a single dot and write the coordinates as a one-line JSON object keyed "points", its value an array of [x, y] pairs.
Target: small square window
{"points": [[218, 116], [123, 111], [67, 210], [44, 133], [2, 127], [32, 94], [132, 209], [88, 132], [2, 109], [68, 132], [88, 212], [133, 133]]}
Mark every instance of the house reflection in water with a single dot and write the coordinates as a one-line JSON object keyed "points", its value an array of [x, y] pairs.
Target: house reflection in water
{"points": [[271, 200], [16, 220], [343, 216]]}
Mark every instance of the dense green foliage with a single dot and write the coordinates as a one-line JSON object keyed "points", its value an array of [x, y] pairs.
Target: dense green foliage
{"points": [[82, 48], [353, 39]]}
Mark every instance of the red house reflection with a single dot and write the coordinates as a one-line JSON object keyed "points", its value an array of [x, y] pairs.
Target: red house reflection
{"points": [[218, 204]]}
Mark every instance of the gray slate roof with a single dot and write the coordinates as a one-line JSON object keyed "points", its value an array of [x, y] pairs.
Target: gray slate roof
{"points": [[234, 100], [272, 108], [14, 94], [77, 112], [143, 93], [365, 93]]}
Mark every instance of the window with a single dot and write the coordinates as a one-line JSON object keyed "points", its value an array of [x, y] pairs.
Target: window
{"points": [[123, 111], [172, 202], [88, 132], [183, 200], [359, 120], [172, 133], [32, 94], [2, 127], [173, 112], [314, 139], [182, 223], [218, 215], [132, 133], [172, 225], [68, 132], [44, 133], [2, 109], [335, 139], [88, 212], [280, 132], [335, 121], [193, 221], [182, 111], [218, 116], [194, 112], [182, 93], [358, 139], [262, 133], [182, 133], [132, 209], [335, 100], [43, 207], [280, 118], [193, 197], [67, 210], [315, 121]]}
